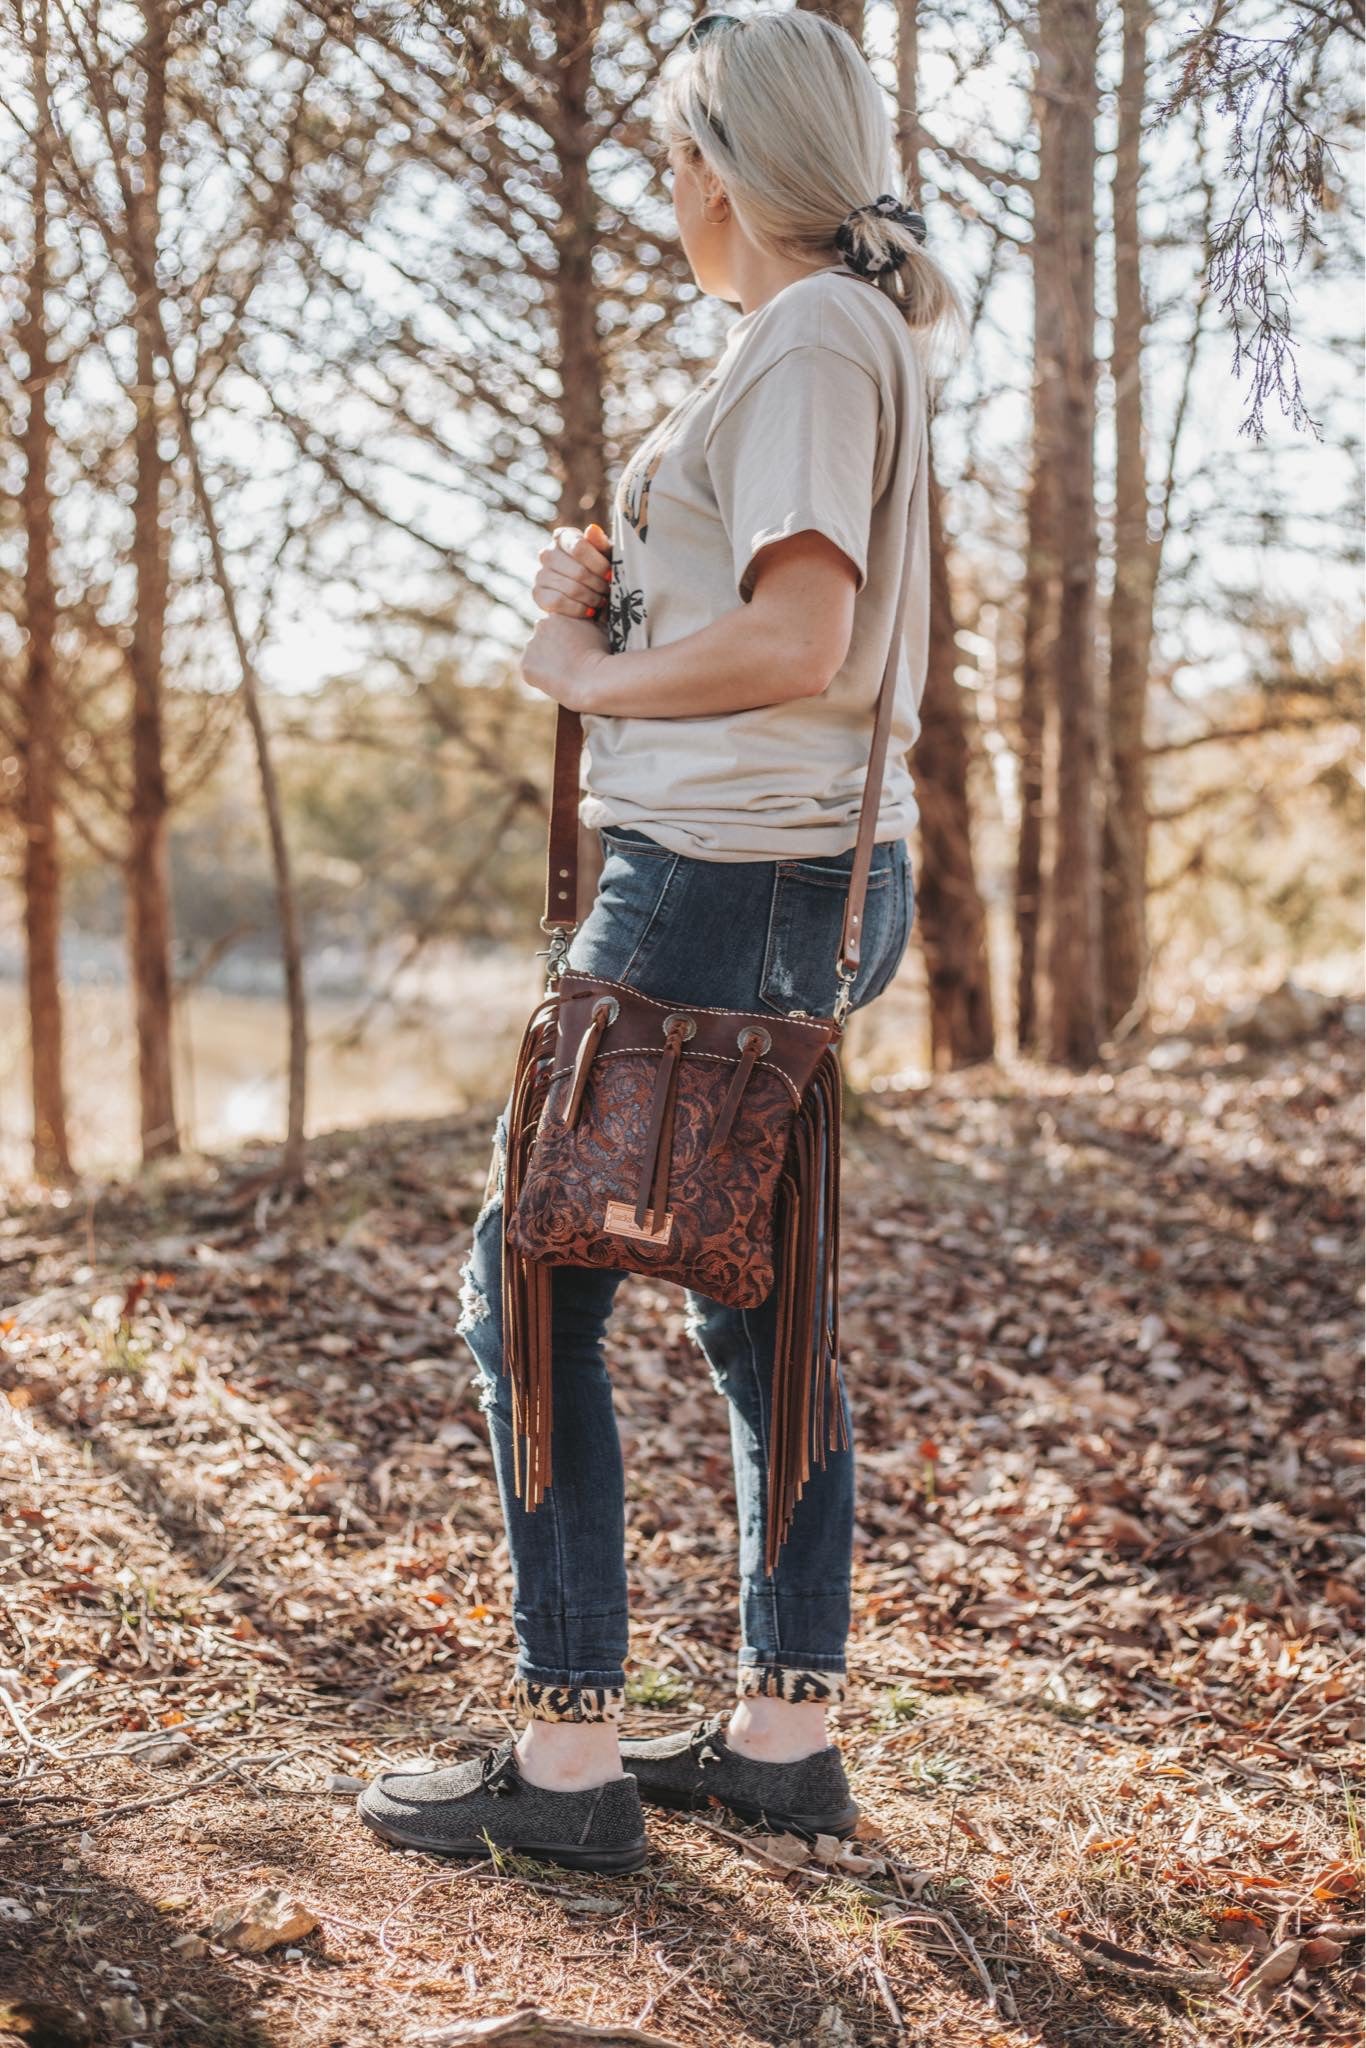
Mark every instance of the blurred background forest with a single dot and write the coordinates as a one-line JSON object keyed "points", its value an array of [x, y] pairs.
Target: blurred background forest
{"points": [[315, 319]]}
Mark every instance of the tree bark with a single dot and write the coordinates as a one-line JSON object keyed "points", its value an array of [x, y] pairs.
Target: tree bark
{"points": [[950, 913], [149, 913], [42, 870], [292, 1165], [908, 94], [1125, 850], [583, 452], [1040, 591], [1040, 629], [847, 13], [583, 477], [1068, 56], [952, 919]]}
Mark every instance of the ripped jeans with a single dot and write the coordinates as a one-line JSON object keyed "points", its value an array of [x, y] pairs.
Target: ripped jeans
{"points": [[748, 935]]}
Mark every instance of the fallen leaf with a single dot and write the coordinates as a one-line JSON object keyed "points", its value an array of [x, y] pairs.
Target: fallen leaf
{"points": [[1339, 1881], [126, 2015], [788, 1849], [1280, 1964], [262, 1922]]}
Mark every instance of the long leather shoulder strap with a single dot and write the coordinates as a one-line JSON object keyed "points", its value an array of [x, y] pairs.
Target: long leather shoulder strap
{"points": [[562, 862], [562, 867], [852, 936]]}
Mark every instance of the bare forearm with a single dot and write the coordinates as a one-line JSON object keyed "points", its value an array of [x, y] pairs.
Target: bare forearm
{"points": [[741, 661]]}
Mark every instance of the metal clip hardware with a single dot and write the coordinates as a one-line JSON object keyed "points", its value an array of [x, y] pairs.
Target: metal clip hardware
{"points": [[846, 993], [556, 954]]}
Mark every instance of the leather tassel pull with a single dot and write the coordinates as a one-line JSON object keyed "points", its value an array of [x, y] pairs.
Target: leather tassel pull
{"points": [[605, 1011], [753, 1043], [653, 1190]]}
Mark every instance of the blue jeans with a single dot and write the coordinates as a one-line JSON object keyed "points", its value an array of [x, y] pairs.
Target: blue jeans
{"points": [[744, 935]]}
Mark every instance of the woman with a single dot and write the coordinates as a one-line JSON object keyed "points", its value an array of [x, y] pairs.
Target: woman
{"points": [[725, 649]]}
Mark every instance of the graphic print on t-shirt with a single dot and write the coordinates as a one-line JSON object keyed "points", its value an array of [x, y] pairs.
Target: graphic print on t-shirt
{"points": [[626, 607]]}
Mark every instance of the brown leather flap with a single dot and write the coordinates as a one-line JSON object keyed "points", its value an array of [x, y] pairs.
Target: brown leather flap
{"points": [[793, 1053]]}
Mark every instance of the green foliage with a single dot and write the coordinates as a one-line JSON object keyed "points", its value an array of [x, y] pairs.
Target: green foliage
{"points": [[900, 1705], [650, 1687]]}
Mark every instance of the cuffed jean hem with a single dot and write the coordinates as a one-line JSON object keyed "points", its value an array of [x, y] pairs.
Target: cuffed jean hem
{"points": [[772, 1679], [577, 1697]]}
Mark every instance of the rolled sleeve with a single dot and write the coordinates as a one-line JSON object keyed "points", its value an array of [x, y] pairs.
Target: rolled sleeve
{"points": [[797, 452]]}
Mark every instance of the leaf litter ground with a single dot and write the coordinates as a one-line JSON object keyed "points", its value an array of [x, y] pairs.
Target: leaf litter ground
{"points": [[1102, 1338]]}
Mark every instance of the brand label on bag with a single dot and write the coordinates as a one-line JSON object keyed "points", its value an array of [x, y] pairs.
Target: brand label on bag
{"points": [[620, 1221]]}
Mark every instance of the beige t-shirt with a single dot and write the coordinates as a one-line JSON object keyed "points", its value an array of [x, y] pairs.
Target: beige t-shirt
{"points": [[813, 417]]}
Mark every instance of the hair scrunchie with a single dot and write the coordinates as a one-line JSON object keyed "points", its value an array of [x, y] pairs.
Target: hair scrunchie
{"points": [[888, 207]]}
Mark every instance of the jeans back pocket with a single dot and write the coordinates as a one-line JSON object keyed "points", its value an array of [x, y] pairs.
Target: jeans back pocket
{"points": [[806, 921]]}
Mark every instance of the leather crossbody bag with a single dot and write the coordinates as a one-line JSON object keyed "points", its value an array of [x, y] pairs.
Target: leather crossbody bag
{"points": [[693, 1144]]}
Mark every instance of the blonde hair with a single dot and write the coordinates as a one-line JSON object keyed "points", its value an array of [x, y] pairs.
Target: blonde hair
{"points": [[785, 109]]}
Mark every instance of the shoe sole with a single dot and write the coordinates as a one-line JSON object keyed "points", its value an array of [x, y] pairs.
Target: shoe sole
{"points": [[809, 1825], [567, 1854]]}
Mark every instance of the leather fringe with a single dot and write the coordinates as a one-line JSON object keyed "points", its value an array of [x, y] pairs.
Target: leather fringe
{"points": [[526, 1284], [808, 1418]]}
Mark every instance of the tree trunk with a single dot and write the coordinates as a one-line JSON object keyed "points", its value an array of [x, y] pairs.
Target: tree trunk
{"points": [[292, 1168], [1040, 593], [848, 14], [149, 914], [42, 873], [1041, 607], [951, 916], [908, 94], [1068, 55], [949, 910], [1124, 890], [1040, 629], [583, 478]]}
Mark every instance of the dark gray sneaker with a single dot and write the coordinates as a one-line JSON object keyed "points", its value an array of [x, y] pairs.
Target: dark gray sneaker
{"points": [[809, 1797], [448, 1813]]}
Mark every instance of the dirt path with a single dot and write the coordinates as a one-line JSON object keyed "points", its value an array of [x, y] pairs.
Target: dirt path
{"points": [[1103, 1340]]}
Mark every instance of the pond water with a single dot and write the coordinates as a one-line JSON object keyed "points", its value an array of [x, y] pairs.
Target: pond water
{"points": [[446, 1044]]}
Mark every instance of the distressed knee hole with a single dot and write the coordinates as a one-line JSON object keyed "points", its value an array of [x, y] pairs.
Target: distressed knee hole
{"points": [[493, 1186], [474, 1303], [695, 1317]]}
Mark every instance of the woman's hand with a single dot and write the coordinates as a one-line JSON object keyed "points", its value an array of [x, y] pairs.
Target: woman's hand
{"points": [[564, 658], [576, 572], [569, 646]]}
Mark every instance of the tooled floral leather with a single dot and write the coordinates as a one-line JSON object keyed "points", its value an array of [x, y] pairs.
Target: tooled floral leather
{"points": [[576, 1206]]}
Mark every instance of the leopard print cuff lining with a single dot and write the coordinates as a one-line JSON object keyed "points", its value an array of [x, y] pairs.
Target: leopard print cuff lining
{"points": [[788, 1682], [544, 1702]]}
